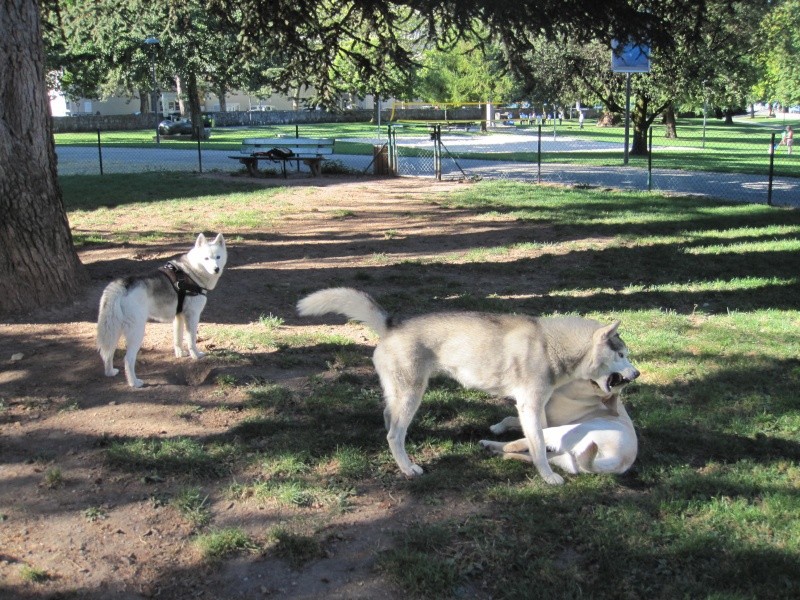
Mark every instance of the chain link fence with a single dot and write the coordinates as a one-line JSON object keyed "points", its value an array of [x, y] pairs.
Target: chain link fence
{"points": [[751, 166]]}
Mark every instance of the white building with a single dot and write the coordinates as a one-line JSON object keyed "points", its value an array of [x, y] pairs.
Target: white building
{"points": [[170, 104]]}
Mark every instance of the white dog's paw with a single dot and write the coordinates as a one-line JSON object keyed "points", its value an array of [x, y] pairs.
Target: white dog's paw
{"points": [[197, 354], [180, 353], [553, 479], [112, 372], [490, 447], [137, 383], [412, 471]]}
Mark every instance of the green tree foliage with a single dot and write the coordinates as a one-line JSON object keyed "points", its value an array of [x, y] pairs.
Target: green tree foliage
{"points": [[332, 46], [710, 54], [466, 73], [780, 54]]}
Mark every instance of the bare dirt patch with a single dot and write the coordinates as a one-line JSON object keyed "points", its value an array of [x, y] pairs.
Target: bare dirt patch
{"points": [[96, 532]]}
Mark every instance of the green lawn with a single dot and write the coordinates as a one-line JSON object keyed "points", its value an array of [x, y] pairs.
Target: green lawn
{"points": [[709, 298]]}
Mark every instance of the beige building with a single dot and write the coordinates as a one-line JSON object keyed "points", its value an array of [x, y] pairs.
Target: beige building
{"points": [[170, 104]]}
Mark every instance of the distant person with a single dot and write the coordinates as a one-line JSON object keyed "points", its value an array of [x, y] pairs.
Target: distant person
{"points": [[580, 119], [787, 139]]}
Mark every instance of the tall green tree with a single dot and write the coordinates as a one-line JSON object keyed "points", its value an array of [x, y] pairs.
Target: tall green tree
{"points": [[466, 73], [301, 38], [779, 52], [38, 263], [710, 55]]}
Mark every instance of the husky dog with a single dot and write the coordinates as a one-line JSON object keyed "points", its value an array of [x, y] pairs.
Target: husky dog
{"points": [[176, 292], [587, 431], [521, 357]]}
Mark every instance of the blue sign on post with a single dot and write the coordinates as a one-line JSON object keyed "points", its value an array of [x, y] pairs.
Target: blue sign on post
{"points": [[632, 58]]}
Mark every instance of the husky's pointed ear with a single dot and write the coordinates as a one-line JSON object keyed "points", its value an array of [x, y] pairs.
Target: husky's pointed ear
{"points": [[605, 333], [219, 240], [201, 240]]}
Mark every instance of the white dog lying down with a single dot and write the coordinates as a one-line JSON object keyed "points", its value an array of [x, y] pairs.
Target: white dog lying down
{"points": [[587, 431]]}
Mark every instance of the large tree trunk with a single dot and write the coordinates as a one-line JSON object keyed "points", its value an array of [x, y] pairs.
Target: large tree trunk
{"points": [[640, 125], [143, 101], [195, 108], [728, 116], [179, 94], [38, 263], [223, 102], [609, 119], [669, 122]]}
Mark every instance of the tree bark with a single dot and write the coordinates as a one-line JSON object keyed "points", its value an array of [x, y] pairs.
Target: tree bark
{"points": [[144, 95], [728, 116], [38, 263], [179, 95], [221, 93], [669, 122], [195, 108], [640, 124], [609, 119]]}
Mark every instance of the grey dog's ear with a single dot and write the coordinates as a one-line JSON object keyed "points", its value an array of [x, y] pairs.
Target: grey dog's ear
{"points": [[607, 332]]}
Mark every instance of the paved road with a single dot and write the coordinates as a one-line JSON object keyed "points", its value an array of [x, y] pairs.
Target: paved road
{"points": [[745, 188]]}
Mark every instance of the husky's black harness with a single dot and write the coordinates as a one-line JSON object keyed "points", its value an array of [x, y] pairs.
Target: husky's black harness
{"points": [[181, 283]]}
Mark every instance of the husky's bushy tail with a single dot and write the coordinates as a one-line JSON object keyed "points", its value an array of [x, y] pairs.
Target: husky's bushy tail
{"points": [[349, 302], [110, 320]]}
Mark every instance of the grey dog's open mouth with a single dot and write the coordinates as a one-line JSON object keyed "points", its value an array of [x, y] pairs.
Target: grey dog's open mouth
{"points": [[613, 380], [616, 379]]}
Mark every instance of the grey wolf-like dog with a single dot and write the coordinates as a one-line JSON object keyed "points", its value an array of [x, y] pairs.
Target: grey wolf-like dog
{"points": [[521, 357], [176, 292]]}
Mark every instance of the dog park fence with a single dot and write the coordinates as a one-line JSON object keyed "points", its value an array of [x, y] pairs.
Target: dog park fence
{"points": [[747, 169]]}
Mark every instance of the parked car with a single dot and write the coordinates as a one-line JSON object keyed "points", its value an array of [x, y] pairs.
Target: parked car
{"points": [[179, 126]]}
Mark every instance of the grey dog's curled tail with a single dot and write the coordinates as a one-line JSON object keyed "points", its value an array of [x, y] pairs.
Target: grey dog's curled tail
{"points": [[351, 303]]}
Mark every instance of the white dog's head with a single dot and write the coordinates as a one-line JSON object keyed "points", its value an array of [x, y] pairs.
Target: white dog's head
{"points": [[609, 366], [209, 257]]}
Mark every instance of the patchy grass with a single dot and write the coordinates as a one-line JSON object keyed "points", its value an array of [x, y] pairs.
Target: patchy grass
{"points": [[707, 293], [222, 543], [181, 456], [32, 574], [192, 504]]}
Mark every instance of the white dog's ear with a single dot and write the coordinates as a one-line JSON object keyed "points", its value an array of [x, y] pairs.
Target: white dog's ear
{"points": [[219, 240], [607, 332], [201, 240]]}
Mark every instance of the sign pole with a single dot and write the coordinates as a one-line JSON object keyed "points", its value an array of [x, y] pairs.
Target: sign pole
{"points": [[627, 114], [629, 58]]}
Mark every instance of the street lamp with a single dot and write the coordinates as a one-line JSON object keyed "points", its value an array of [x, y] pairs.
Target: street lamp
{"points": [[152, 42]]}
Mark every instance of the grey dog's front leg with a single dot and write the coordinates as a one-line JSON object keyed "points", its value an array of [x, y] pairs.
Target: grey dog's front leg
{"points": [[530, 417]]}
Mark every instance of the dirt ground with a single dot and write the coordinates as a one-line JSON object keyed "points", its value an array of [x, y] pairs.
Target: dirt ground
{"points": [[57, 410]]}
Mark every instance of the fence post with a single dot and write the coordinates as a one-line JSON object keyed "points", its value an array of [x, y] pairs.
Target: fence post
{"points": [[199, 153], [650, 160], [100, 151], [437, 152], [771, 168], [296, 135], [392, 149], [539, 156]]}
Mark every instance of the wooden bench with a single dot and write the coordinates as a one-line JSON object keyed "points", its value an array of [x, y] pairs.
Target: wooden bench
{"points": [[309, 151]]}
